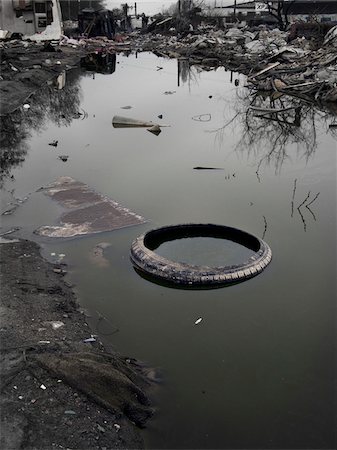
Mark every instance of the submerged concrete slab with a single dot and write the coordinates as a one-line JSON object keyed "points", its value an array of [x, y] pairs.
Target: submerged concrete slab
{"points": [[89, 212]]}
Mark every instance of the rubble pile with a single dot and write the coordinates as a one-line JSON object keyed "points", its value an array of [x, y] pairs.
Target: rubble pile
{"points": [[26, 66], [265, 56]]}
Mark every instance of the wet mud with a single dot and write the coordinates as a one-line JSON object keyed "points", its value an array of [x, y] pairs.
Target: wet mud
{"points": [[60, 387]]}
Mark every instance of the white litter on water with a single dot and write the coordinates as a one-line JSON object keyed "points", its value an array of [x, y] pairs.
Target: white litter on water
{"points": [[198, 321]]}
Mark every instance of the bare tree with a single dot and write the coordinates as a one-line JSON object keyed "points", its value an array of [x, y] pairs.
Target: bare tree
{"points": [[272, 129], [280, 9]]}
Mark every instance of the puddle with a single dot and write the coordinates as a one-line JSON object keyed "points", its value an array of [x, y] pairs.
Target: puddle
{"points": [[257, 371], [205, 251]]}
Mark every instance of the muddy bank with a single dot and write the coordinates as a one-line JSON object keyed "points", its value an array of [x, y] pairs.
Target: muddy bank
{"points": [[25, 67], [60, 388]]}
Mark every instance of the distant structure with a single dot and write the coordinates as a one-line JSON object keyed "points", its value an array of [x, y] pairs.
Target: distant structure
{"points": [[33, 19], [256, 11]]}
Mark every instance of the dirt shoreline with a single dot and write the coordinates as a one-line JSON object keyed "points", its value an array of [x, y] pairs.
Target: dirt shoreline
{"points": [[59, 391]]}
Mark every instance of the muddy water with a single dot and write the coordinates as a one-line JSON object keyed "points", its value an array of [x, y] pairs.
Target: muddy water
{"points": [[258, 370]]}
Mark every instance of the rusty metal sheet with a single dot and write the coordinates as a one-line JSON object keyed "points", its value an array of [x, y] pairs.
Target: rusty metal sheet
{"points": [[86, 211]]}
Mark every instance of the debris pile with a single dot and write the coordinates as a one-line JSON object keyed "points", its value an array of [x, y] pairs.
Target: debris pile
{"points": [[301, 67], [270, 62]]}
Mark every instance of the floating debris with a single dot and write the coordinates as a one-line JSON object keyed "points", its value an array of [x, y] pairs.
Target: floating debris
{"points": [[128, 122], [97, 254], [154, 130], [198, 321], [63, 158], [53, 143], [89, 211], [207, 168], [202, 118]]}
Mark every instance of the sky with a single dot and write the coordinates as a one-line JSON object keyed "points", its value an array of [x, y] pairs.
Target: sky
{"points": [[151, 7]]}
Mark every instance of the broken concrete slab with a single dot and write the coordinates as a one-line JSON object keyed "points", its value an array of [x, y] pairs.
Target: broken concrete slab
{"points": [[89, 212]]}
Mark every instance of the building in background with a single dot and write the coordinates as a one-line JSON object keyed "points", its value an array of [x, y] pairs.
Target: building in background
{"points": [[34, 19], [257, 11]]}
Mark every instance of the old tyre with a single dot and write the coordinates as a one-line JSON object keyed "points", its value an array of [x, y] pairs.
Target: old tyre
{"points": [[152, 265]]}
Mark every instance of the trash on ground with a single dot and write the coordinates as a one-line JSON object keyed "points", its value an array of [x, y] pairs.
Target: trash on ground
{"points": [[26, 106], [43, 387], [169, 92], [56, 324], [89, 211], [53, 143], [91, 339], [63, 158], [126, 107]]}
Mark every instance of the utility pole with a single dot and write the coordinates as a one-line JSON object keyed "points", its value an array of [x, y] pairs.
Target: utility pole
{"points": [[135, 9], [235, 10]]}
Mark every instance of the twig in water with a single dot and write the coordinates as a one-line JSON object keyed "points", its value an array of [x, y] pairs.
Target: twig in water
{"points": [[311, 212], [312, 201], [302, 218], [306, 198], [265, 227], [293, 198]]}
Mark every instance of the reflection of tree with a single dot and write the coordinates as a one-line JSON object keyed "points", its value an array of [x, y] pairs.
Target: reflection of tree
{"points": [[272, 125], [186, 72], [49, 104]]}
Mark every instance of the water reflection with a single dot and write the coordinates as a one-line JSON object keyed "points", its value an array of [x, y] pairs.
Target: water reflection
{"points": [[59, 103], [271, 125], [104, 63]]}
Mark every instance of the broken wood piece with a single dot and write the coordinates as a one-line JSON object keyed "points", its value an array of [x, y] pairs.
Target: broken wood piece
{"points": [[295, 86], [128, 122], [266, 69], [271, 110]]}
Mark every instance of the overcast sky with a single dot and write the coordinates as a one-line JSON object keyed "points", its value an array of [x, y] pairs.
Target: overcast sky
{"points": [[156, 6]]}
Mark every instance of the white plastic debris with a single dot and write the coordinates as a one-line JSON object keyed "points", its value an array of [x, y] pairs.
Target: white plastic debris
{"points": [[117, 426], [26, 106], [43, 387], [91, 339], [198, 321]]}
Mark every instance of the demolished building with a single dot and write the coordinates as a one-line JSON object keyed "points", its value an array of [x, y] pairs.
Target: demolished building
{"points": [[32, 19]]}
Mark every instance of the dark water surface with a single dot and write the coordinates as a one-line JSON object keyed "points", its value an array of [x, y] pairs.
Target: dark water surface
{"points": [[258, 371]]}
